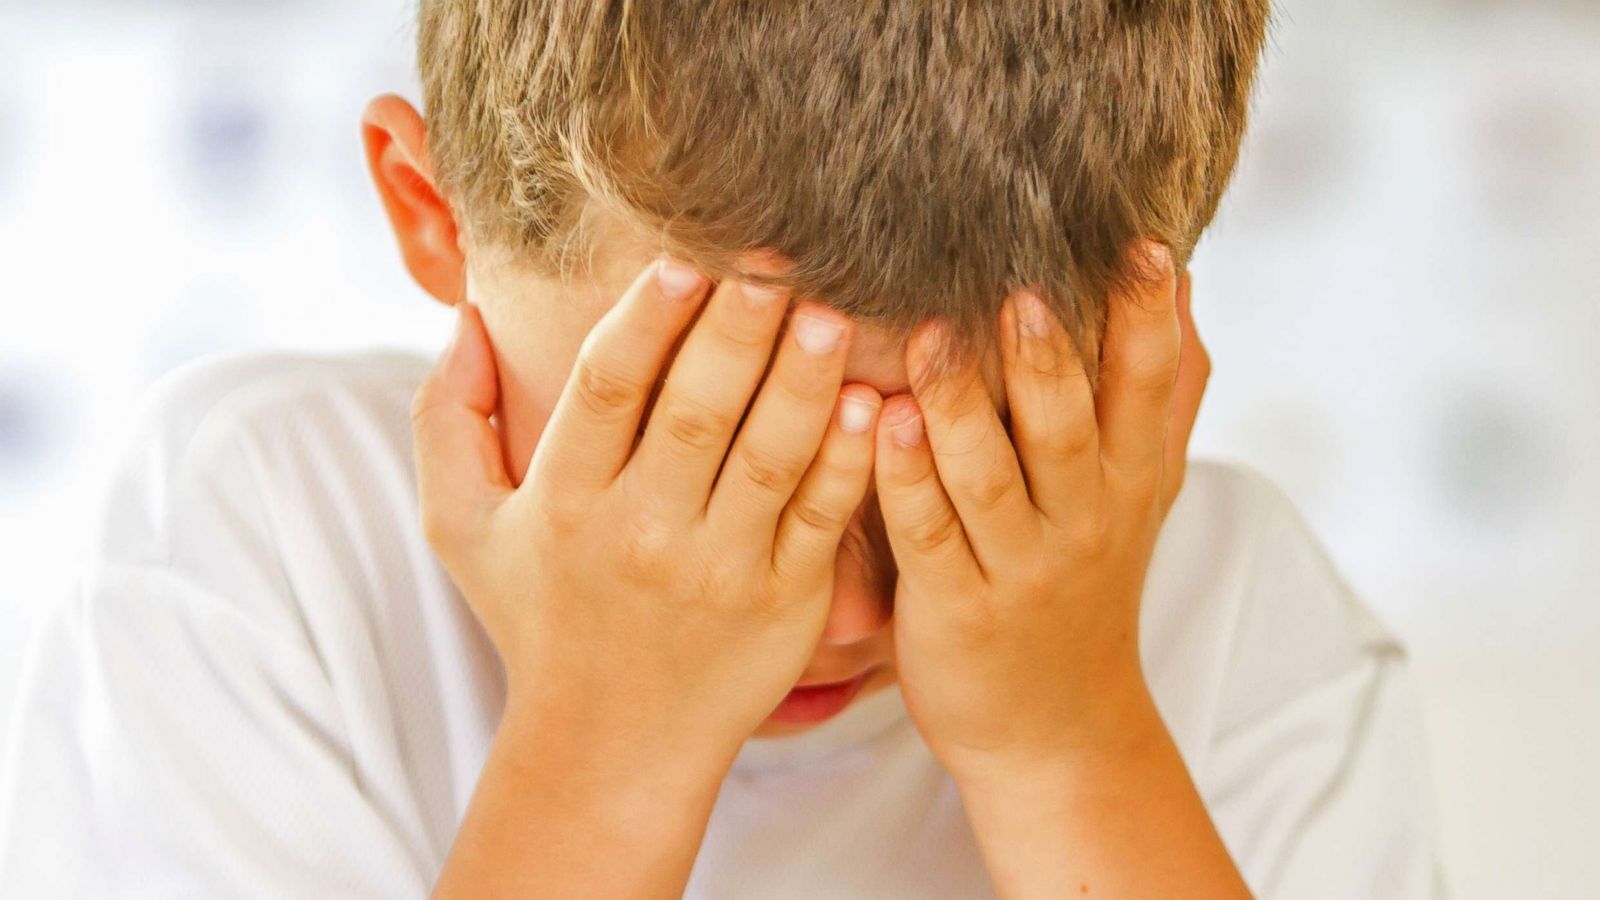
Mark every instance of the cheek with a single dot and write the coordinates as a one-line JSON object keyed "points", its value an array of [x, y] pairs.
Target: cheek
{"points": [[533, 354]]}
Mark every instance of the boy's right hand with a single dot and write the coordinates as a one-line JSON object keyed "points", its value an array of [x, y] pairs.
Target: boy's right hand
{"points": [[649, 598]]}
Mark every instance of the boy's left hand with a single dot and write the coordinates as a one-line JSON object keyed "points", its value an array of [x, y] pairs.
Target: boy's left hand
{"points": [[1022, 557]]}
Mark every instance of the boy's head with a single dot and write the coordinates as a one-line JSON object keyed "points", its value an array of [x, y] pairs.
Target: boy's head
{"points": [[909, 159]]}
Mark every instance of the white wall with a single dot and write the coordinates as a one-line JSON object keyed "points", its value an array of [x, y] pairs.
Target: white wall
{"points": [[1399, 294]]}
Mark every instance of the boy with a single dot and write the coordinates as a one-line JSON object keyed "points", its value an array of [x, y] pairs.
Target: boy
{"points": [[795, 513]]}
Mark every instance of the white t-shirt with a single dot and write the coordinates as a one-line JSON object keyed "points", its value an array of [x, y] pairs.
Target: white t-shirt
{"points": [[263, 684]]}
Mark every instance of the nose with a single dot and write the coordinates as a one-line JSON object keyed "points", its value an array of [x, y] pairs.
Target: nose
{"points": [[864, 578]]}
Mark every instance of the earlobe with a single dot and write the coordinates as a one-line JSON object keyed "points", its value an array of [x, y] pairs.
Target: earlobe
{"points": [[424, 227]]}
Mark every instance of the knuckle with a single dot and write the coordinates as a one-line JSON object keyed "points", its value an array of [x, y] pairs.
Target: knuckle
{"points": [[989, 486], [601, 390], [977, 623], [695, 425], [563, 512], [716, 572], [1153, 372], [646, 548], [1073, 436], [839, 465], [1091, 537], [932, 531], [742, 332], [791, 569], [1134, 483], [1037, 583], [773, 605], [1056, 361], [768, 472], [817, 515]]}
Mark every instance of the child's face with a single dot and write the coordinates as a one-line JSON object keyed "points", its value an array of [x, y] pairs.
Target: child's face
{"points": [[537, 326]]}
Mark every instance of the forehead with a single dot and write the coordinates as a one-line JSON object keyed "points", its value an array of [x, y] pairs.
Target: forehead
{"points": [[877, 358]]}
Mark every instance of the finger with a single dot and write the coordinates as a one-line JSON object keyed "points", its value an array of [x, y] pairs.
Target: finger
{"points": [[461, 472], [1052, 407], [786, 424], [1194, 371], [706, 394], [813, 523], [592, 430], [976, 462], [924, 532], [1139, 370]]}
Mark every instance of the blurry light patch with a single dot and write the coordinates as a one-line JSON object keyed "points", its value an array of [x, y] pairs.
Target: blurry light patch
{"points": [[1530, 151], [1490, 461], [1297, 161], [216, 313], [9, 163], [222, 156], [35, 426]]}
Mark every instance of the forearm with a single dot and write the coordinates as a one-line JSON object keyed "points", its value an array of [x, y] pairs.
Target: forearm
{"points": [[1116, 815], [556, 817]]}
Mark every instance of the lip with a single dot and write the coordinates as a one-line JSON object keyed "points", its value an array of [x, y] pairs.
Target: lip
{"points": [[822, 684], [817, 701]]}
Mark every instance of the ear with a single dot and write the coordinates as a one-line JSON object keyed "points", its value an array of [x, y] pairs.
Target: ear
{"points": [[396, 143]]}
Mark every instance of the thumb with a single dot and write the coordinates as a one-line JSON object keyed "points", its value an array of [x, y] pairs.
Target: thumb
{"points": [[461, 472]]}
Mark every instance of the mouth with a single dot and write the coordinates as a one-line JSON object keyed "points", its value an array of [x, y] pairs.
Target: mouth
{"points": [[817, 701]]}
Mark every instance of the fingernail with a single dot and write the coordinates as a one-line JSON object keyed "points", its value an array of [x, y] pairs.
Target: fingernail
{"points": [[675, 280], [1156, 261], [1032, 315], [907, 433], [816, 336], [855, 414]]}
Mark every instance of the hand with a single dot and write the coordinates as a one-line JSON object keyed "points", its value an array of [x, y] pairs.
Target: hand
{"points": [[649, 598], [1022, 558]]}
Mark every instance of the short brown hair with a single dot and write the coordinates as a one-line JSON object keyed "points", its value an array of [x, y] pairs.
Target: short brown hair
{"points": [[913, 158]]}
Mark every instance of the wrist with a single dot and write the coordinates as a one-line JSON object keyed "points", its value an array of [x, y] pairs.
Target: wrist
{"points": [[610, 766], [556, 813], [1116, 730], [1114, 807]]}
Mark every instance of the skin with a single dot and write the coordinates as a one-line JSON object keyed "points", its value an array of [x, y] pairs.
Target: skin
{"points": [[872, 515]]}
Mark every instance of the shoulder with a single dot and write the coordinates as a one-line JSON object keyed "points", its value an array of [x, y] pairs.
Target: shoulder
{"points": [[244, 640], [1245, 609], [231, 392], [271, 491], [224, 426], [1299, 718]]}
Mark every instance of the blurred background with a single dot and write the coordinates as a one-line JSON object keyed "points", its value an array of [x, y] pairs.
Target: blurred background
{"points": [[1400, 295]]}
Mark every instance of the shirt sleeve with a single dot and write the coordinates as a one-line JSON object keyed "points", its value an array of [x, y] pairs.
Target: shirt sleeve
{"points": [[176, 734], [1316, 776]]}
